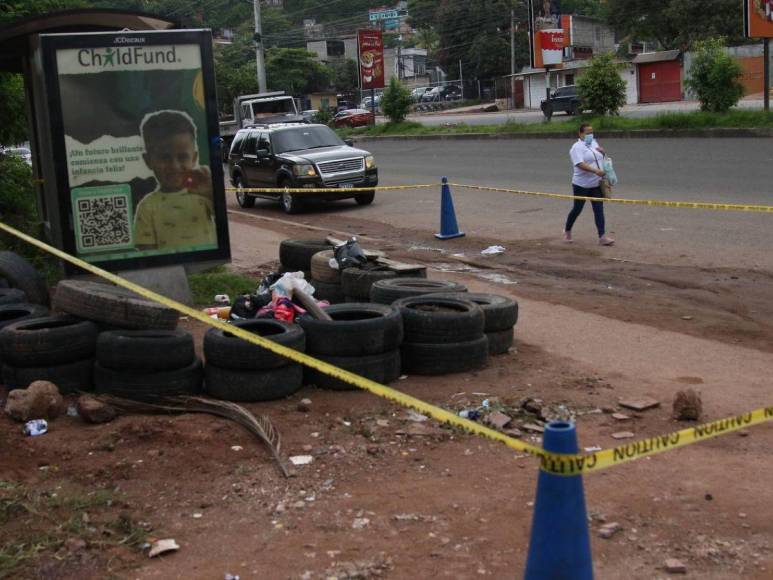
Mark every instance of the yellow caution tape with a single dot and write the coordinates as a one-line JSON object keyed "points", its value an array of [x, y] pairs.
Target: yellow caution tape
{"points": [[649, 202], [559, 464], [330, 189]]}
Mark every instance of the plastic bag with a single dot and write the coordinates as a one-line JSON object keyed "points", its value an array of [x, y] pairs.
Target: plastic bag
{"points": [[350, 255], [609, 169], [245, 306], [290, 282]]}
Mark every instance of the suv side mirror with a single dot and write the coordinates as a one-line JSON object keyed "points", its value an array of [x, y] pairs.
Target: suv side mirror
{"points": [[349, 142], [263, 153]]}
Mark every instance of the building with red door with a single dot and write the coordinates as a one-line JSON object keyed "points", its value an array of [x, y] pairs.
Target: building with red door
{"points": [[660, 76]]}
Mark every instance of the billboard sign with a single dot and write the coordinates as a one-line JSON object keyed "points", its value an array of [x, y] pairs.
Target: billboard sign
{"points": [[370, 48], [134, 134], [758, 18], [552, 45], [544, 15]]}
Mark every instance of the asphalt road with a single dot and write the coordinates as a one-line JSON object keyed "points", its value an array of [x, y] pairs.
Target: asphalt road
{"points": [[715, 170]]}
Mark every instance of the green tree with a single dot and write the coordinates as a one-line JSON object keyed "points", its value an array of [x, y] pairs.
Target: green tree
{"points": [[396, 101], [344, 75], [295, 71], [715, 76], [600, 86], [676, 24], [13, 113]]}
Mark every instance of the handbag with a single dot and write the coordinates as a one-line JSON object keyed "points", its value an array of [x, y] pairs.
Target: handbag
{"points": [[604, 186]]}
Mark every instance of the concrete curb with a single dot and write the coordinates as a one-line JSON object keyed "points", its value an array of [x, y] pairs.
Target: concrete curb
{"points": [[606, 134]]}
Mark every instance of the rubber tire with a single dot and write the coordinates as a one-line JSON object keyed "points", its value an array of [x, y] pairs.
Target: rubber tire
{"points": [[350, 333], [12, 296], [500, 341], [321, 270], [149, 386], [247, 201], [356, 283], [387, 291], [69, 377], [252, 386], [145, 350], [112, 305], [464, 324], [382, 368], [443, 359], [11, 313], [500, 312], [226, 351], [48, 341], [330, 292], [22, 275], [365, 198], [295, 255]]}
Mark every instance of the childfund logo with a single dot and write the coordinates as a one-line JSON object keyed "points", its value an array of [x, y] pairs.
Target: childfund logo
{"points": [[119, 57]]}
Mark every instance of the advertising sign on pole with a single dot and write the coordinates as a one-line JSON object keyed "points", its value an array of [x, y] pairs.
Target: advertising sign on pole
{"points": [[134, 134], [370, 45], [758, 18], [552, 45], [544, 15]]}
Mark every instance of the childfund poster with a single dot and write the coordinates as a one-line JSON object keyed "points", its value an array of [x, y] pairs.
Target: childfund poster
{"points": [[137, 149]]}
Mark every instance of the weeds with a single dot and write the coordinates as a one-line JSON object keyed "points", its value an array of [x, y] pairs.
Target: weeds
{"points": [[217, 281]]}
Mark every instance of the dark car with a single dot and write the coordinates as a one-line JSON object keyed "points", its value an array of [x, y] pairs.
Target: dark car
{"points": [[299, 156], [353, 118], [565, 99]]}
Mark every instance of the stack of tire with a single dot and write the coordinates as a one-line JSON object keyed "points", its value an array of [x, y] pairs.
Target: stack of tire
{"points": [[59, 349], [17, 273], [500, 315], [356, 283], [442, 335], [363, 338], [325, 279], [295, 255], [237, 370], [389, 290]]}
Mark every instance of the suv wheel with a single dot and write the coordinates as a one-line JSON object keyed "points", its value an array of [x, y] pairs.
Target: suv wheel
{"points": [[547, 110], [576, 109], [290, 203], [365, 198], [242, 198]]}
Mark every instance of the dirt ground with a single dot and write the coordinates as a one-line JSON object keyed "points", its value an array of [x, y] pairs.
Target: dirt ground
{"points": [[389, 496]]}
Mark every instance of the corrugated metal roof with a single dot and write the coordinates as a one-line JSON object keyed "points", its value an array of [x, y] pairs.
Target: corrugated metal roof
{"points": [[661, 56]]}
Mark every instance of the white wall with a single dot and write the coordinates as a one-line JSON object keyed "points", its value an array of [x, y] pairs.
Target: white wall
{"points": [[630, 75]]}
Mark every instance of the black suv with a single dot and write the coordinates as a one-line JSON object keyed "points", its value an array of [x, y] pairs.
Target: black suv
{"points": [[299, 156], [565, 99]]}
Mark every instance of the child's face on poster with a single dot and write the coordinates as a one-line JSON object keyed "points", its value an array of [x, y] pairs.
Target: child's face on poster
{"points": [[172, 159]]}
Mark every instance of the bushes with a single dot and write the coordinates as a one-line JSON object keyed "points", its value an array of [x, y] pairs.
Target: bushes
{"points": [[600, 86], [715, 77], [396, 102]]}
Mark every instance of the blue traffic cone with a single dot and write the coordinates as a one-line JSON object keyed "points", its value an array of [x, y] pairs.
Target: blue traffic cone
{"points": [[560, 542], [448, 226]]}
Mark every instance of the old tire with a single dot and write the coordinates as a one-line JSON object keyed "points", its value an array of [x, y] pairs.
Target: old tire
{"points": [[12, 296], [296, 255], [382, 368], [250, 386], [48, 341], [321, 270], [69, 377], [112, 305], [442, 359], [356, 283], [500, 341], [387, 291], [356, 330], [500, 312], [148, 386], [11, 313], [439, 320], [19, 273], [224, 350], [145, 350], [330, 292]]}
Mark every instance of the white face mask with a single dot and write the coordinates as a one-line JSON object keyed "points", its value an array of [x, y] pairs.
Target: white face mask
{"points": [[588, 139]]}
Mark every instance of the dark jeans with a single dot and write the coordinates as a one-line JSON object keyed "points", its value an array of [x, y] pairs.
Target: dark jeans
{"points": [[598, 207]]}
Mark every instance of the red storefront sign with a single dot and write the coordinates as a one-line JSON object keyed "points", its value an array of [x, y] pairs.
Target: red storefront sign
{"points": [[371, 58], [552, 45]]}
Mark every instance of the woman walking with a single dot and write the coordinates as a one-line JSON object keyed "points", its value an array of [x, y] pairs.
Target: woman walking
{"points": [[587, 159]]}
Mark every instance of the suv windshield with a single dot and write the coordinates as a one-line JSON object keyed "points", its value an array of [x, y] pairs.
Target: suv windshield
{"points": [[304, 138]]}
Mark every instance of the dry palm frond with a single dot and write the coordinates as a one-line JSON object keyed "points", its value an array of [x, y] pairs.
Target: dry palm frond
{"points": [[259, 426]]}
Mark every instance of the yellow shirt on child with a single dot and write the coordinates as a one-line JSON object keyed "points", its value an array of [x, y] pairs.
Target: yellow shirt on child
{"points": [[175, 219]]}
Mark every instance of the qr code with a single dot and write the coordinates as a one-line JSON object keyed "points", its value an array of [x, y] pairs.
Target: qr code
{"points": [[105, 222]]}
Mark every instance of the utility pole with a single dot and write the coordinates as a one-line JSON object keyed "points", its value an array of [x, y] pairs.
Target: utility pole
{"points": [[461, 80], [766, 58], [512, 58], [260, 65]]}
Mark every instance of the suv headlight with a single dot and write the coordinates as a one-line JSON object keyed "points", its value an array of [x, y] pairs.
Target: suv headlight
{"points": [[304, 170], [370, 162]]}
